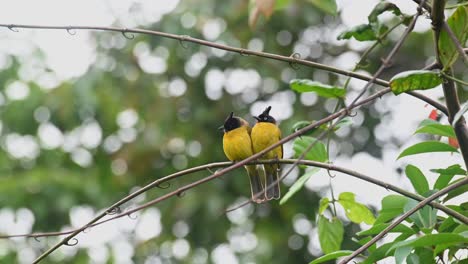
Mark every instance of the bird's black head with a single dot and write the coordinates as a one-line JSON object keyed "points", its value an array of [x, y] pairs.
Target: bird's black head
{"points": [[265, 116], [232, 122]]}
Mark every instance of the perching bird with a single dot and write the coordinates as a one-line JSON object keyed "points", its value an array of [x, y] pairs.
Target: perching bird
{"points": [[237, 146], [264, 134]]}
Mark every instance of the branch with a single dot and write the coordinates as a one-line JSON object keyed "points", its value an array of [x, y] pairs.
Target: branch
{"points": [[326, 166], [450, 91], [300, 132], [184, 38], [403, 217]]}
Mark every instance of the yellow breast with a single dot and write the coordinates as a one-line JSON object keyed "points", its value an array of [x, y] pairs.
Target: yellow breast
{"points": [[264, 135], [237, 144]]}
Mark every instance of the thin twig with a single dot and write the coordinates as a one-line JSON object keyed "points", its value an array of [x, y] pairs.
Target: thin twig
{"points": [[448, 76], [402, 218], [230, 168], [185, 38], [326, 166], [455, 41], [386, 62], [448, 85]]}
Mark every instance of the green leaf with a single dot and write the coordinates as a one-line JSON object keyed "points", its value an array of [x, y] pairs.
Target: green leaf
{"points": [[362, 32], [392, 206], [298, 185], [363, 241], [401, 253], [414, 80], [421, 256], [427, 146], [356, 212], [377, 228], [321, 89], [460, 113], [327, 6], [324, 203], [437, 129], [347, 121], [456, 192], [317, 153], [446, 175], [425, 217], [455, 169], [432, 240], [383, 251], [381, 8], [331, 256], [330, 234], [458, 22], [417, 178], [447, 225]]}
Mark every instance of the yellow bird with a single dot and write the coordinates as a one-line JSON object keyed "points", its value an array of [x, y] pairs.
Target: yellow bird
{"points": [[237, 146], [264, 134]]}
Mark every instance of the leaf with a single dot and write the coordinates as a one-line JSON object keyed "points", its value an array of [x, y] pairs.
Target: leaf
{"points": [[417, 178], [301, 124], [330, 234], [327, 6], [446, 175], [321, 89], [317, 153], [362, 32], [432, 240], [363, 241], [298, 185], [377, 228], [447, 225], [456, 192], [383, 251], [401, 253], [425, 217], [392, 206], [324, 203], [437, 129], [355, 211], [331, 256], [347, 121], [414, 80], [458, 22], [380, 8], [421, 256], [425, 147], [455, 169], [460, 113]]}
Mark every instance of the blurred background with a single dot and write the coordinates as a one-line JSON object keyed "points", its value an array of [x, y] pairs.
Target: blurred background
{"points": [[88, 117]]}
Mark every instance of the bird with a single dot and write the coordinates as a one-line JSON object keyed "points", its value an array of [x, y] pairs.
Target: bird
{"points": [[237, 145], [264, 134]]}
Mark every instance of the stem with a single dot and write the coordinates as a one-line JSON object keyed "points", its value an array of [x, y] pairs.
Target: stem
{"points": [[185, 38], [327, 166], [450, 91]]}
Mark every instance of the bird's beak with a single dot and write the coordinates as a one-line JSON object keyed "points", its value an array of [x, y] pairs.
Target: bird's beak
{"points": [[256, 118]]}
